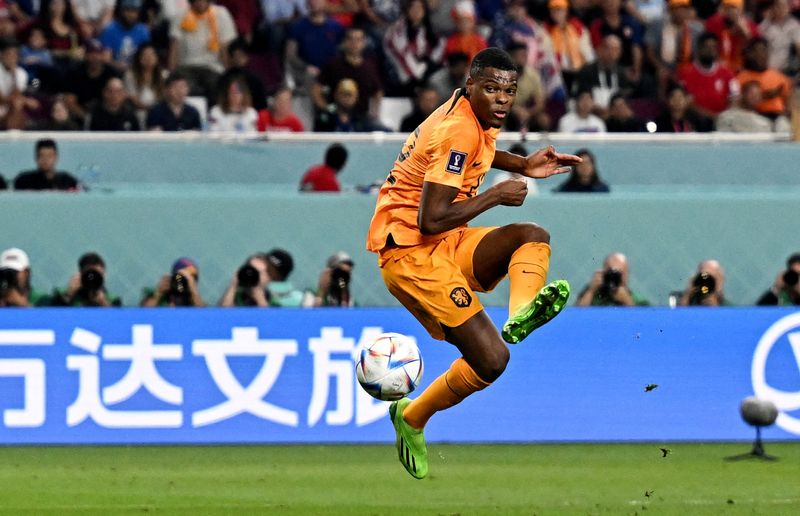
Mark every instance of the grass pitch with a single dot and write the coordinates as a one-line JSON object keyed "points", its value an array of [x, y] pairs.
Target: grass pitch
{"points": [[465, 479]]}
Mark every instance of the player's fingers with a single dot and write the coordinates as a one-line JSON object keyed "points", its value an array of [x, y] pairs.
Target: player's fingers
{"points": [[562, 170], [568, 159]]}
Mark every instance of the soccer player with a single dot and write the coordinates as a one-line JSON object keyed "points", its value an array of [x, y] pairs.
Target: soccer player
{"points": [[433, 263]]}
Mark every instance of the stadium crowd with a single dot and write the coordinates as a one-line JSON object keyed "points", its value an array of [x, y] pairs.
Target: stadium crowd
{"points": [[251, 65]]}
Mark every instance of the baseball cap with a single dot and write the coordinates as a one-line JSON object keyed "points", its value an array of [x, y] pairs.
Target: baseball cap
{"points": [[733, 3], [185, 263], [464, 8], [339, 258], [15, 259], [559, 4], [282, 261], [347, 86]]}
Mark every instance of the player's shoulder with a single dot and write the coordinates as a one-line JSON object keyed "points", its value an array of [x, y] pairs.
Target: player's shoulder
{"points": [[457, 123]]}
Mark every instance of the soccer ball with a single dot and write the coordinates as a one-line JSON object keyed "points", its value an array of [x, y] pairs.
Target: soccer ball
{"points": [[389, 367]]}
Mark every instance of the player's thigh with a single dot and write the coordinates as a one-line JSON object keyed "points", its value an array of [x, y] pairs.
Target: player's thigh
{"points": [[491, 254], [481, 346], [432, 287]]}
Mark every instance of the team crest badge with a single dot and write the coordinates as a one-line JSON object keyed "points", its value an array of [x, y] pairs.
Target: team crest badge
{"points": [[461, 297]]}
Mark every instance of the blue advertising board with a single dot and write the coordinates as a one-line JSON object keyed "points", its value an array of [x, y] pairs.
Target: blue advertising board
{"points": [[72, 376]]}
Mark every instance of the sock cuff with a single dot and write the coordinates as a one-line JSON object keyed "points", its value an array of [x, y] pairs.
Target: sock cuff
{"points": [[463, 380], [523, 251]]}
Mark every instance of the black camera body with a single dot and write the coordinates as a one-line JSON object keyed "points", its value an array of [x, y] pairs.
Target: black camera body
{"points": [[91, 280], [179, 290], [248, 276], [8, 280], [704, 284], [790, 278], [612, 279], [339, 290]]}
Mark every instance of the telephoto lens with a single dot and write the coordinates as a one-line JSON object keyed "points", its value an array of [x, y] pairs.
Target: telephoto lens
{"points": [[790, 278], [705, 283], [91, 280], [248, 276]]}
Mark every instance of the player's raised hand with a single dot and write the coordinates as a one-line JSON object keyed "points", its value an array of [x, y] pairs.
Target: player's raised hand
{"points": [[547, 162], [511, 192]]}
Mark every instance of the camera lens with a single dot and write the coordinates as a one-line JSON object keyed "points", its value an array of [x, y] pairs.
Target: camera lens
{"points": [[612, 278], [248, 276], [91, 280], [8, 279], [179, 290], [705, 283], [790, 278]]}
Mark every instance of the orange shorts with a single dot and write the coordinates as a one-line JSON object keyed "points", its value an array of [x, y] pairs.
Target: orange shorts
{"points": [[435, 281]]}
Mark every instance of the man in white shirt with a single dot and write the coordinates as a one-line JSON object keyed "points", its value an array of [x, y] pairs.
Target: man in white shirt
{"points": [[581, 120]]}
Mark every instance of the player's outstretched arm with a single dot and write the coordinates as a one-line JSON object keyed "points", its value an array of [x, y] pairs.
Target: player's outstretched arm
{"points": [[543, 163], [438, 213]]}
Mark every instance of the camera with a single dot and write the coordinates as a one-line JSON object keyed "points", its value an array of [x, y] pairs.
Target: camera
{"points": [[179, 290], [612, 279], [790, 278], [248, 276], [339, 290], [8, 280], [91, 280], [704, 284]]}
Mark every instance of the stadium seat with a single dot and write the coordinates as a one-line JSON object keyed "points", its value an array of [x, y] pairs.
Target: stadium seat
{"points": [[392, 111]]}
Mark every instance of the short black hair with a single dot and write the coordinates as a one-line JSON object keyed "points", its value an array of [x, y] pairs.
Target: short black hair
{"points": [[673, 86], [46, 143], [90, 259], [705, 36], [795, 258], [491, 57], [238, 44], [615, 97], [175, 77], [336, 156]]}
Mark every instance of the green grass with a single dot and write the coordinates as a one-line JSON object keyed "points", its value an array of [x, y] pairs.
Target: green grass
{"points": [[464, 479]]}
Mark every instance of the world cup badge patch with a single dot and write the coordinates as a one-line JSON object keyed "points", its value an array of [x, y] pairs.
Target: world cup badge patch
{"points": [[455, 162]]}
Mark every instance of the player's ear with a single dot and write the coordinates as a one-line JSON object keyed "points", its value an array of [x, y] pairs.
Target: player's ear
{"points": [[470, 85]]}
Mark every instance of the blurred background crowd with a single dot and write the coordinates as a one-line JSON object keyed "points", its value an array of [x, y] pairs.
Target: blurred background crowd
{"points": [[365, 65]]}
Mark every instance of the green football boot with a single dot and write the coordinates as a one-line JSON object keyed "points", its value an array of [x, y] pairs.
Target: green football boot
{"points": [[547, 304], [410, 442]]}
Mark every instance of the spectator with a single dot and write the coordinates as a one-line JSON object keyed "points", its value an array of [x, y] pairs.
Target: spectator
{"points": [[45, 176], [15, 281], [571, 42], [733, 29], [670, 42], [173, 113], [322, 178], [279, 116], [466, 38], [707, 287], [605, 76], [86, 82], [59, 119], [786, 289], [782, 32], [280, 292], [446, 80], [248, 287], [333, 288], [441, 14], [679, 116], [144, 81], [775, 87], [125, 34], [351, 63], [114, 113], [340, 116], [630, 33], [581, 119], [199, 38], [93, 15], [13, 85], [178, 288], [425, 103], [245, 14], [517, 26], [311, 43], [239, 66], [621, 118], [743, 116], [57, 19], [87, 286], [584, 177], [609, 286], [501, 175], [528, 111], [36, 58], [413, 50], [710, 83], [234, 111]]}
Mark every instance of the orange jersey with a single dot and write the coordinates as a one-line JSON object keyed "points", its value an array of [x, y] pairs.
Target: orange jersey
{"points": [[451, 148]]}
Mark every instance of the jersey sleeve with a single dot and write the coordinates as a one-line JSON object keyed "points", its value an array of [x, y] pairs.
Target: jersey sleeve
{"points": [[452, 145]]}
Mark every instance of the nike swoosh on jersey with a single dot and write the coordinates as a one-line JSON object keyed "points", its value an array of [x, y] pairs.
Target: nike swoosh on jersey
{"points": [[477, 164]]}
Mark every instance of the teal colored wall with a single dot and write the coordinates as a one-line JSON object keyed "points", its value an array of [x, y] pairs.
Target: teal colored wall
{"points": [[141, 233]]}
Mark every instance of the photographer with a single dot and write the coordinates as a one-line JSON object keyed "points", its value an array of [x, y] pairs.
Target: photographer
{"points": [[248, 286], [334, 282], [609, 286], [178, 288], [705, 288], [87, 286], [15, 281], [786, 289]]}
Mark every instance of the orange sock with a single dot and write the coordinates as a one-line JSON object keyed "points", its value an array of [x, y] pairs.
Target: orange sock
{"points": [[454, 385], [527, 272]]}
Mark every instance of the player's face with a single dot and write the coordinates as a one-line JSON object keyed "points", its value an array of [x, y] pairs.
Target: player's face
{"points": [[491, 95]]}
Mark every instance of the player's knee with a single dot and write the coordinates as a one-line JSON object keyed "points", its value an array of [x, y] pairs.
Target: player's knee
{"points": [[529, 232], [494, 365]]}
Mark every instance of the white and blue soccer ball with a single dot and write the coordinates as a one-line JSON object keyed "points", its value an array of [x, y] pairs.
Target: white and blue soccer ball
{"points": [[389, 367]]}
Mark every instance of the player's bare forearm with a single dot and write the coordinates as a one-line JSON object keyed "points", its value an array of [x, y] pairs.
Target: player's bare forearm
{"points": [[438, 213], [504, 160]]}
